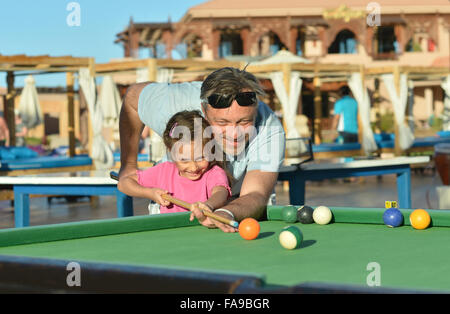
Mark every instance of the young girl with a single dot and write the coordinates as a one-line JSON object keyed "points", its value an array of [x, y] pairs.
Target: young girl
{"points": [[190, 177]]}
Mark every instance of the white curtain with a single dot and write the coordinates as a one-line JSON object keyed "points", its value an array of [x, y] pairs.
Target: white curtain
{"points": [[289, 104], [29, 106], [163, 75], [362, 97], [446, 115], [101, 151], [109, 101], [399, 102]]}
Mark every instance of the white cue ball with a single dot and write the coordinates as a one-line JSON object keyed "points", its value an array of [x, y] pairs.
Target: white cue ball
{"points": [[322, 215]]}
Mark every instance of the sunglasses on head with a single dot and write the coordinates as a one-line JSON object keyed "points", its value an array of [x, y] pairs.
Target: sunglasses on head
{"points": [[244, 99]]}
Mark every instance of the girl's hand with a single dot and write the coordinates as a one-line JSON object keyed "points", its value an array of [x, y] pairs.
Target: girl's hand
{"points": [[156, 195], [197, 211]]}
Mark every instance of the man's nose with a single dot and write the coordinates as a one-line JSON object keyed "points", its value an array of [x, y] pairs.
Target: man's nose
{"points": [[234, 132]]}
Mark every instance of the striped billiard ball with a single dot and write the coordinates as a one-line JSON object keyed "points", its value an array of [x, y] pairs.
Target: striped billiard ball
{"points": [[290, 237]]}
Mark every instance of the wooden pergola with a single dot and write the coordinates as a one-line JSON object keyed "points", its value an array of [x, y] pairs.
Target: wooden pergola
{"points": [[153, 64], [19, 65]]}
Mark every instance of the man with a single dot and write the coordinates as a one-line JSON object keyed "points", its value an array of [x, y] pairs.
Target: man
{"points": [[345, 119], [251, 135]]}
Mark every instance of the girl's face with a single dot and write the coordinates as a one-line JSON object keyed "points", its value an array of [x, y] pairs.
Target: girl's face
{"points": [[189, 160]]}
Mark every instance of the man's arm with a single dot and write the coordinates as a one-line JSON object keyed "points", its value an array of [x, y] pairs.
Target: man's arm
{"points": [[130, 129], [255, 192]]}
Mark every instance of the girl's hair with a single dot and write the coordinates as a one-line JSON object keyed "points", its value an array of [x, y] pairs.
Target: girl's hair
{"points": [[195, 123]]}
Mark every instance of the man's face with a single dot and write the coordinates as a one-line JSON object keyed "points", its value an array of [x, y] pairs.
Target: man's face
{"points": [[234, 125]]}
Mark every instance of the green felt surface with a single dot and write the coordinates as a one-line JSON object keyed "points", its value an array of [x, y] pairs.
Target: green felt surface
{"points": [[335, 253]]}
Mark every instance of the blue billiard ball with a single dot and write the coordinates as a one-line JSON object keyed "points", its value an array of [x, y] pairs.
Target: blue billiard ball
{"points": [[392, 217]]}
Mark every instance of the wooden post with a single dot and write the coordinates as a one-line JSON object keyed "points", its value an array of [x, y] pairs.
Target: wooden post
{"points": [[286, 68], [397, 149], [91, 131], [152, 70], [71, 112], [360, 129], [317, 109], [9, 108], [376, 104]]}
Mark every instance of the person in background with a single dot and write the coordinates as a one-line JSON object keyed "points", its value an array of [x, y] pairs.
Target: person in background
{"points": [[4, 132], [345, 119]]}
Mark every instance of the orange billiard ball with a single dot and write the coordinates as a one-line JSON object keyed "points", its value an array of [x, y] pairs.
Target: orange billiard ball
{"points": [[420, 219], [249, 229]]}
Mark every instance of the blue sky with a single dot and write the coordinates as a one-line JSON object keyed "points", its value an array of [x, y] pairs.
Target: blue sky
{"points": [[39, 27]]}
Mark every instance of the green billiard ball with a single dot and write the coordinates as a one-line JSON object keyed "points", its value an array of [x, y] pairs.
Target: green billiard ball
{"points": [[289, 213], [291, 237]]}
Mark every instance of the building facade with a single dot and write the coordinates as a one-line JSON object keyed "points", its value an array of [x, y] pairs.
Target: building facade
{"points": [[399, 31]]}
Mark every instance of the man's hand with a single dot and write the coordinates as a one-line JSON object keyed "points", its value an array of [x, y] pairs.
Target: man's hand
{"points": [[255, 192], [197, 212]]}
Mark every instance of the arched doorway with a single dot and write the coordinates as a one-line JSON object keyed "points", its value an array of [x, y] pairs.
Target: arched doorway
{"points": [[269, 44], [230, 44], [344, 42]]}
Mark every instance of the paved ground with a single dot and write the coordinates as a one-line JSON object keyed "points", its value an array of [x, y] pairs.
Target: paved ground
{"points": [[366, 192]]}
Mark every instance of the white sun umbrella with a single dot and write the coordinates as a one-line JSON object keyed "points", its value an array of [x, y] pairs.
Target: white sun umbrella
{"points": [[399, 102], [446, 115], [109, 101], [29, 107], [282, 56], [101, 151], [362, 97]]}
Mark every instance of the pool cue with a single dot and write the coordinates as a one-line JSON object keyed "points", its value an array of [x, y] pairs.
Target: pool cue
{"points": [[114, 175], [187, 205]]}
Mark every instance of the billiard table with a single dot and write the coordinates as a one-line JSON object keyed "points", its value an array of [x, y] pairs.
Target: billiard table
{"points": [[167, 253]]}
